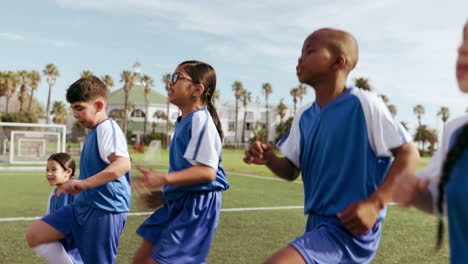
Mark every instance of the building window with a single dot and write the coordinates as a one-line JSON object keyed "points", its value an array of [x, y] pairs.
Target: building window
{"points": [[231, 126], [248, 126], [262, 116], [138, 113]]}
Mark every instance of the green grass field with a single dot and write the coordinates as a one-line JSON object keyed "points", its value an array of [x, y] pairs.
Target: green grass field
{"points": [[242, 236]]}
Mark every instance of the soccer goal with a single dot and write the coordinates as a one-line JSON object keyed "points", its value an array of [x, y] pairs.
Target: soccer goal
{"points": [[154, 151], [27, 143]]}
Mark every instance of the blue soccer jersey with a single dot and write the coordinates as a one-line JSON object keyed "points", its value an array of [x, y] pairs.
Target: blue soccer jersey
{"points": [[55, 202], [104, 139], [456, 190], [195, 141], [343, 149]]}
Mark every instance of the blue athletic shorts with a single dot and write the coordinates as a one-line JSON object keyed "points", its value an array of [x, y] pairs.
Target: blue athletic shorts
{"points": [[327, 241], [183, 230], [95, 232]]}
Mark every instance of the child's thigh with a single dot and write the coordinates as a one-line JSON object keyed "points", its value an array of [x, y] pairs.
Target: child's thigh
{"points": [[97, 234], [41, 232]]}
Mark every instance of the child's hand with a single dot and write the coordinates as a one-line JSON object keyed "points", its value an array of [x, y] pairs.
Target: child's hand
{"points": [[359, 217], [407, 188], [151, 178], [258, 153], [153, 199], [75, 186]]}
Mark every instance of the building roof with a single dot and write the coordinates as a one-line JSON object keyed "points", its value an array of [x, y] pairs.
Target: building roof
{"points": [[136, 95]]}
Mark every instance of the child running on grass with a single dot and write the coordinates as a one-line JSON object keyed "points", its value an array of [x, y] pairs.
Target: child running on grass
{"points": [[97, 216], [182, 230], [442, 187], [61, 168], [343, 145]]}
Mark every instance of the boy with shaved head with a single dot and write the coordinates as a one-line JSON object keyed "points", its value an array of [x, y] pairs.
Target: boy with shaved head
{"points": [[342, 144]]}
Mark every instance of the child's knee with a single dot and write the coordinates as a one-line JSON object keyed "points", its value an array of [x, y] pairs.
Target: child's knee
{"points": [[32, 237]]}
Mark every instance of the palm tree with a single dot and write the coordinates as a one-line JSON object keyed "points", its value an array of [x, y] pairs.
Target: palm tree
{"points": [[302, 90], [267, 91], [295, 92], [166, 78], [34, 80], [108, 80], [52, 73], [282, 107], [392, 109], [23, 83], [444, 114], [59, 111], [12, 81], [418, 110], [148, 82], [246, 98], [384, 98], [362, 83], [238, 89], [86, 73], [127, 78]]}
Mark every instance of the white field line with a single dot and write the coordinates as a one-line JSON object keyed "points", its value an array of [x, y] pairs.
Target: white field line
{"points": [[11, 219], [260, 177]]}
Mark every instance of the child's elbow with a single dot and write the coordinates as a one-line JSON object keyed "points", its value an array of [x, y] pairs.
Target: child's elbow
{"points": [[210, 175], [125, 164]]}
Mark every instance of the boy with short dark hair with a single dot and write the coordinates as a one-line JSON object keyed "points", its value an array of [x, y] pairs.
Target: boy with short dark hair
{"points": [[97, 217], [343, 145]]}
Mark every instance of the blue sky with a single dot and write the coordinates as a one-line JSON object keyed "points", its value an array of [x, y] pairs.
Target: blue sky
{"points": [[407, 48]]}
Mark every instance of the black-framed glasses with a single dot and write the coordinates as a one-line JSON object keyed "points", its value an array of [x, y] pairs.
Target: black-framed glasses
{"points": [[177, 76]]}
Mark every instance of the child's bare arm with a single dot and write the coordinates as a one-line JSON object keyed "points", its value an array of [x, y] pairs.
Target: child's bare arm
{"points": [[360, 216], [193, 175], [118, 167], [409, 190], [262, 154]]}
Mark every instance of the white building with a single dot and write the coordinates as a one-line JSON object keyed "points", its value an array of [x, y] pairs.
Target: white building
{"points": [[157, 104]]}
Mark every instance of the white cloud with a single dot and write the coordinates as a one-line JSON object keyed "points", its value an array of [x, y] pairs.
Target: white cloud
{"points": [[11, 36]]}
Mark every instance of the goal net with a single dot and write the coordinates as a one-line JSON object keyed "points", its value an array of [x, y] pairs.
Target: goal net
{"points": [[27, 143]]}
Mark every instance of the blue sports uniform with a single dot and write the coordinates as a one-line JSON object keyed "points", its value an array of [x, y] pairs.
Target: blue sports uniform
{"points": [[97, 217], [184, 227], [54, 204], [456, 190], [343, 152]]}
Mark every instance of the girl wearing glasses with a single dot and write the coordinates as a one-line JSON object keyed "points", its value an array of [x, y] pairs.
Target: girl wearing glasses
{"points": [[182, 230]]}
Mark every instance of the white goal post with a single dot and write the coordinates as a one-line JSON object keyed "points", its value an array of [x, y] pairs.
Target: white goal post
{"points": [[29, 143]]}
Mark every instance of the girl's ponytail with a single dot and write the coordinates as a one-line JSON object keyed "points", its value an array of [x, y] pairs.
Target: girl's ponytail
{"points": [[452, 156]]}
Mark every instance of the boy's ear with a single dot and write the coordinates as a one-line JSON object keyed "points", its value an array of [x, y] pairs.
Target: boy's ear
{"points": [[99, 105], [339, 63]]}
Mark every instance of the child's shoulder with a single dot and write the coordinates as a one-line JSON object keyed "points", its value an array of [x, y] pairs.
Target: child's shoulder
{"points": [[365, 95], [108, 124], [455, 124]]}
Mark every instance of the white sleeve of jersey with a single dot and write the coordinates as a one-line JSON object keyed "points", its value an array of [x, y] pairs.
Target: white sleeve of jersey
{"points": [[433, 170], [48, 201], [205, 144], [110, 140], [290, 144], [385, 133]]}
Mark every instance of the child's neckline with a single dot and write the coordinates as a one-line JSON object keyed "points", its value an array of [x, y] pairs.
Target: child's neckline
{"points": [[180, 119], [57, 192], [334, 101]]}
